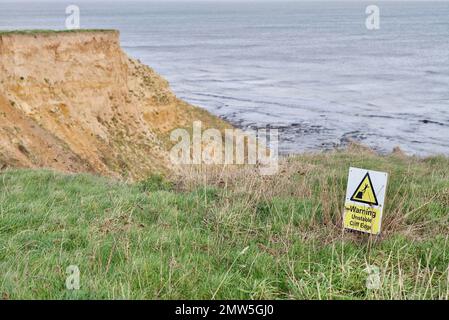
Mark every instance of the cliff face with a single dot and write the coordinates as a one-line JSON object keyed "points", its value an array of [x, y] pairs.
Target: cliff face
{"points": [[75, 102]]}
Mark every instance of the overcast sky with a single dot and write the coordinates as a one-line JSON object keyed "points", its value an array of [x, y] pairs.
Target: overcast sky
{"points": [[125, 1], [78, 1]]}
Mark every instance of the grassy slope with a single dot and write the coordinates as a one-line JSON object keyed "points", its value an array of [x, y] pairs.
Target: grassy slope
{"points": [[187, 240]]}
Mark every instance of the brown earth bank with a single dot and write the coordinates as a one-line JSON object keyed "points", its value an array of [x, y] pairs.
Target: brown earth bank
{"points": [[75, 102]]}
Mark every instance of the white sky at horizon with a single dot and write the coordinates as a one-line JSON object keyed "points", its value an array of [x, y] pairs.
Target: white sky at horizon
{"points": [[125, 1]]}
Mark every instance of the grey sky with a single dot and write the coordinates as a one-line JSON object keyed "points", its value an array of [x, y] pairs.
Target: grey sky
{"points": [[124, 1]]}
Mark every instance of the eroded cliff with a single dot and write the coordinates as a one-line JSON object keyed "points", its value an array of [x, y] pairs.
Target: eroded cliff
{"points": [[75, 102]]}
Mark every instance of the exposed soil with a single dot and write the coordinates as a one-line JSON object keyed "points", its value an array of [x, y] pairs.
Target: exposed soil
{"points": [[76, 103]]}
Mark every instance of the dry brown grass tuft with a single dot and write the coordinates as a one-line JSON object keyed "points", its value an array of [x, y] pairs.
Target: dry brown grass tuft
{"points": [[320, 180]]}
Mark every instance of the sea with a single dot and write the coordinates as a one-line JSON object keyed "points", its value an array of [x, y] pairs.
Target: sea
{"points": [[311, 69]]}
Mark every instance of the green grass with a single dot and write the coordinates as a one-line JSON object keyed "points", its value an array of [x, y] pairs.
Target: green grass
{"points": [[49, 32], [225, 235]]}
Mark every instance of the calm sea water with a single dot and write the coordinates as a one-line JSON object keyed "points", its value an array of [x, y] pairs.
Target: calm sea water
{"points": [[311, 69]]}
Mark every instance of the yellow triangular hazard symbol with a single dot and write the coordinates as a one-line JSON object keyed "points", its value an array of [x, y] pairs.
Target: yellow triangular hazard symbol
{"points": [[364, 193]]}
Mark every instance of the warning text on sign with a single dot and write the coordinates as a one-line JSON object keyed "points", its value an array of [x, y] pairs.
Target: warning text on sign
{"points": [[362, 218]]}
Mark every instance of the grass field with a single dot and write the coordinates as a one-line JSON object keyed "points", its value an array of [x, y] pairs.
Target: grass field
{"points": [[225, 234]]}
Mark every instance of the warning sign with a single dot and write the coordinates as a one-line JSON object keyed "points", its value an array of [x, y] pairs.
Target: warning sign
{"points": [[365, 192], [365, 197]]}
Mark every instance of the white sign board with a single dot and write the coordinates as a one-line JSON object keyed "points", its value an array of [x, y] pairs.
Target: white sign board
{"points": [[365, 198]]}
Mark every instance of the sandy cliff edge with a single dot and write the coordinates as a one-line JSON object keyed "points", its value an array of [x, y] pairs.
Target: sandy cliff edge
{"points": [[75, 102]]}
